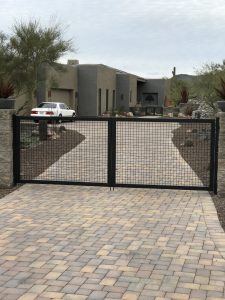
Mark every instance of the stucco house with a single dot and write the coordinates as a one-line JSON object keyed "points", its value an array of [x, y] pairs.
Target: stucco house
{"points": [[93, 89]]}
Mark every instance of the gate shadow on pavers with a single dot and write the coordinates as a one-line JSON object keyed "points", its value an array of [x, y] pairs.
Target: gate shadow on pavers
{"points": [[131, 152]]}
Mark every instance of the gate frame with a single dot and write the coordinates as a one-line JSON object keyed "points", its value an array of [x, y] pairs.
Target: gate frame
{"points": [[111, 164], [213, 153]]}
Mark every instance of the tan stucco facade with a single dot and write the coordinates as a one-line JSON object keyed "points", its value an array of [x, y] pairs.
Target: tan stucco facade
{"points": [[106, 81], [62, 86], [126, 91], [93, 89]]}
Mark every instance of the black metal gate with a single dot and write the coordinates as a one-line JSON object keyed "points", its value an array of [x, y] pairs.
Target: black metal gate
{"points": [[131, 152]]}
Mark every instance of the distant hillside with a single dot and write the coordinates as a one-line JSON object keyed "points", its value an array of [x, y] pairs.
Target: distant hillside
{"points": [[184, 77]]}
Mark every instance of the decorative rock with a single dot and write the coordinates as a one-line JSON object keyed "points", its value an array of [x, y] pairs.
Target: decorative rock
{"points": [[194, 130], [62, 128], [130, 114], [50, 132], [204, 135], [188, 143], [35, 133], [202, 109], [54, 136], [221, 105]]}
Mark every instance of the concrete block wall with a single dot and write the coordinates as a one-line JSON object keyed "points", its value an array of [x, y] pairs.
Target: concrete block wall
{"points": [[6, 147]]}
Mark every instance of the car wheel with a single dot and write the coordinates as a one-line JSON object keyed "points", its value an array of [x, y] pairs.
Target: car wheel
{"points": [[60, 120], [73, 116]]}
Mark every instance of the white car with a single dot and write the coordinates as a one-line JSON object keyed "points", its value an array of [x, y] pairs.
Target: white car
{"points": [[52, 109]]}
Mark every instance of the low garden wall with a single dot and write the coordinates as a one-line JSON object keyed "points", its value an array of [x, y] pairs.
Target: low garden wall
{"points": [[6, 147]]}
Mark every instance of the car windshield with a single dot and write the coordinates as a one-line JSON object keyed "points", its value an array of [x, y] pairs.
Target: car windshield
{"points": [[47, 105]]}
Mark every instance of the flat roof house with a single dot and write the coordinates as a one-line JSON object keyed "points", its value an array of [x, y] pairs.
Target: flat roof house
{"points": [[93, 89]]}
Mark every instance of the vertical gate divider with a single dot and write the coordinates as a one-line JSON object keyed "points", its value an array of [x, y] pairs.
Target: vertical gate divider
{"points": [[16, 149], [111, 152], [216, 140]]}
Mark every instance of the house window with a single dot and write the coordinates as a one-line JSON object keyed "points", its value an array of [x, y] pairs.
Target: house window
{"points": [[107, 100], [99, 102], [151, 98], [121, 96], [130, 96]]}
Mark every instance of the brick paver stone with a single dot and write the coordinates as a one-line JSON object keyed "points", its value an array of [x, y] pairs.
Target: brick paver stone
{"points": [[72, 242]]}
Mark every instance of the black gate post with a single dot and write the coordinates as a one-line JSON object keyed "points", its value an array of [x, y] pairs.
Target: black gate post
{"points": [[16, 149], [111, 152], [216, 140], [213, 156]]}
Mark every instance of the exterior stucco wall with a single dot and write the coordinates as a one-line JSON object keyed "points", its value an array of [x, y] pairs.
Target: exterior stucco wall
{"points": [[87, 93], [132, 90], [91, 78], [122, 91], [21, 102], [66, 82], [66, 79], [79, 85], [106, 80], [157, 86], [126, 86]]}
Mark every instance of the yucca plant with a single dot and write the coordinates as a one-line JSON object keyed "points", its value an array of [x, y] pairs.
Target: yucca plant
{"points": [[6, 88]]}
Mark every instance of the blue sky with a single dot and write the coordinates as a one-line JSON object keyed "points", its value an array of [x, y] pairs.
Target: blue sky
{"points": [[146, 37]]}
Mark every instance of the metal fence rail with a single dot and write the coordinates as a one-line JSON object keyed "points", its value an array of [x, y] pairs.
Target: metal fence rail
{"points": [[134, 152]]}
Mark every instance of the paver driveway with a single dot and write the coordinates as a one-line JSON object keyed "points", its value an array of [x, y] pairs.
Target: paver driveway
{"points": [[72, 242]]}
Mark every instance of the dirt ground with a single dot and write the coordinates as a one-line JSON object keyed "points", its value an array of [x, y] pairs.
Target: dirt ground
{"points": [[194, 147], [4, 192], [35, 160], [46, 153]]}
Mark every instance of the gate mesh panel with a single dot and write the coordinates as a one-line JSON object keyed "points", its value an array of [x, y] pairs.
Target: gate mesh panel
{"points": [[163, 153], [71, 152], [148, 152]]}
